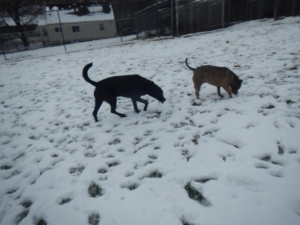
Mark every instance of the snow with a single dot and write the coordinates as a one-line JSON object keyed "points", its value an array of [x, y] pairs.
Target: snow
{"points": [[210, 161]]}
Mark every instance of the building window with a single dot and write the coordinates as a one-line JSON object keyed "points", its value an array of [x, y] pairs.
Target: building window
{"points": [[57, 29], [76, 29], [101, 26]]}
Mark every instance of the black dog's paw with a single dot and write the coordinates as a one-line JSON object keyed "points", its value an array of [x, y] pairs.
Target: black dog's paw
{"points": [[123, 115]]}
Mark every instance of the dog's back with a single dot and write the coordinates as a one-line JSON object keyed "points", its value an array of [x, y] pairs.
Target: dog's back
{"points": [[123, 85], [214, 75]]}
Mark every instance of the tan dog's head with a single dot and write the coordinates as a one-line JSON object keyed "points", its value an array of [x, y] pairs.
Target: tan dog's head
{"points": [[236, 85]]}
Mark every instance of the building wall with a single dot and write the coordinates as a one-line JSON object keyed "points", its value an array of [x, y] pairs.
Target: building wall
{"points": [[87, 31]]}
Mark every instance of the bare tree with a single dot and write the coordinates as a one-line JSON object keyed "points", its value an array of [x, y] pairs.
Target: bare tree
{"points": [[22, 13]]}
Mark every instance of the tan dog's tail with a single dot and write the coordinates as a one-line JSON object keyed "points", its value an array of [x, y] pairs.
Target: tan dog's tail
{"points": [[85, 74], [193, 69]]}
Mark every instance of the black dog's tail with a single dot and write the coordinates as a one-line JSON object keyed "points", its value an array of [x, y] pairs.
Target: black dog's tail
{"points": [[85, 74], [193, 69]]}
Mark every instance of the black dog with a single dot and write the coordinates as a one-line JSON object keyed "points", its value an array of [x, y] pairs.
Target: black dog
{"points": [[130, 86]]}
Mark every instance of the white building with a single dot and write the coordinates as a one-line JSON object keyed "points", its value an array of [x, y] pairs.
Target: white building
{"points": [[93, 24]]}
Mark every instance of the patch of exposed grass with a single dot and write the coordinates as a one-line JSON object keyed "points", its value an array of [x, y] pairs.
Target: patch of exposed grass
{"points": [[77, 170], [269, 106], [280, 149], [40, 221], [185, 222], [112, 164], [266, 158], [94, 219], [204, 180], [13, 190], [21, 216], [155, 174], [289, 102], [90, 154], [26, 204], [115, 142], [65, 200], [153, 157], [195, 139], [131, 187], [5, 167], [102, 170], [94, 190], [196, 195]]}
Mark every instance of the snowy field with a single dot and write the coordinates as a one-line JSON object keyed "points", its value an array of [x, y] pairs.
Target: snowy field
{"points": [[185, 162]]}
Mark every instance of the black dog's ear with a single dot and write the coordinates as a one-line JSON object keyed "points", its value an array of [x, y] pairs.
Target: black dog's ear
{"points": [[241, 81]]}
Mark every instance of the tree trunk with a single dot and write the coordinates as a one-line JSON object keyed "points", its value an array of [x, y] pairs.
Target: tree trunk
{"points": [[24, 40]]}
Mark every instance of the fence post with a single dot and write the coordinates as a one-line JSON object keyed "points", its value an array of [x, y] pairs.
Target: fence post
{"points": [[177, 16], [191, 15], [136, 26], [145, 28], [223, 13], [3, 51], [260, 9], [228, 11], [118, 22], [275, 9], [172, 17], [293, 7], [209, 13], [9, 43], [251, 9], [61, 30]]}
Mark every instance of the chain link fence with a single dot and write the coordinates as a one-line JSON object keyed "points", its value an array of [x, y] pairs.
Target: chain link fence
{"points": [[60, 27], [189, 16], [10, 42], [169, 17], [156, 20]]}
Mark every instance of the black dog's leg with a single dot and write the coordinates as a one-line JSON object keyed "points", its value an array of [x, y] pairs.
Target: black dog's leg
{"points": [[143, 101], [134, 100], [219, 91], [113, 105], [135, 105], [97, 106]]}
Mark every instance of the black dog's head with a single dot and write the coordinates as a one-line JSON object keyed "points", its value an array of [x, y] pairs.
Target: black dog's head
{"points": [[236, 85], [155, 91]]}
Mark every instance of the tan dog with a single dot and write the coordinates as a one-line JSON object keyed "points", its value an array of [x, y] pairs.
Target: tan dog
{"points": [[217, 76]]}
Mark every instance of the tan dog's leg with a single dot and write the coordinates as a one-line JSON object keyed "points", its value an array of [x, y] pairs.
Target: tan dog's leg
{"points": [[197, 90], [219, 92], [228, 89], [197, 87]]}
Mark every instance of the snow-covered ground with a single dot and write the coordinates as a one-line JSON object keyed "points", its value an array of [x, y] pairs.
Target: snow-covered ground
{"points": [[211, 161]]}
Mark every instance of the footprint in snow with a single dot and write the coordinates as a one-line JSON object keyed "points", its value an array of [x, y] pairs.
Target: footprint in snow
{"points": [[113, 163], [76, 170], [94, 219], [130, 186]]}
